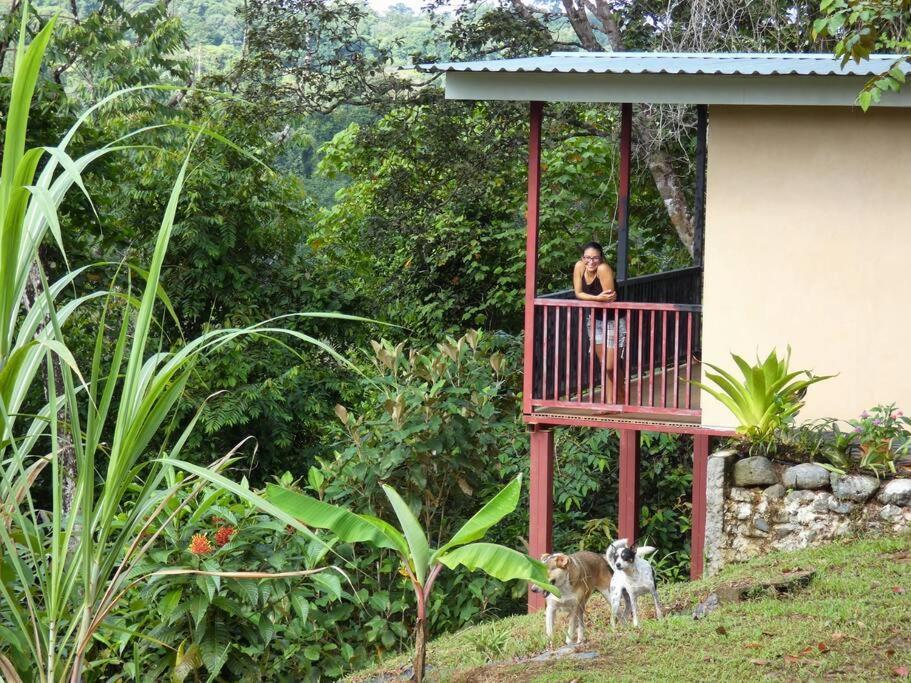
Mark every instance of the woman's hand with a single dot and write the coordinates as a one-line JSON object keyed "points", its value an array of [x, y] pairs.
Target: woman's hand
{"points": [[608, 296]]}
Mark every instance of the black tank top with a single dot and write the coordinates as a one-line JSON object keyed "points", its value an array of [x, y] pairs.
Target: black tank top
{"points": [[594, 287]]}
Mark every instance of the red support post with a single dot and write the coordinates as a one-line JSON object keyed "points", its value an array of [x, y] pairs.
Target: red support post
{"points": [[541, 522], [629, 484], [700, 472], [626, 137], [536, 114]]}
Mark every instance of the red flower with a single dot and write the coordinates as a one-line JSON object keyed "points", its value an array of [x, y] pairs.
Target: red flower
{"points": [[224, 534], [199, 545]]}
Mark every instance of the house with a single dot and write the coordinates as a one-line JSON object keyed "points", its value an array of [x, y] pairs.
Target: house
{"points": [[802, 239]]}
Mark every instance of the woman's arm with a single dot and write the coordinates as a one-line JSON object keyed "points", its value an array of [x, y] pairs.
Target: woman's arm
{"points": [[606, 275]]}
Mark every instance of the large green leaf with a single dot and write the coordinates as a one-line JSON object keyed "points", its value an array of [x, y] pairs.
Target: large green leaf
{"points": [[496, 509], [414, 533], [348, 526], [499, 562]]}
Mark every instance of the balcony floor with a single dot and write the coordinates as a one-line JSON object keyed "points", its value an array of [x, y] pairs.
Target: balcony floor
{"points": [[633, 415]]}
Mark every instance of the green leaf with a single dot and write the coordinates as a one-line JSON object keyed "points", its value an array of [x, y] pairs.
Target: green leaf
{"points": [[499, 562], [348, 526], [504, 503], [414, 533]]}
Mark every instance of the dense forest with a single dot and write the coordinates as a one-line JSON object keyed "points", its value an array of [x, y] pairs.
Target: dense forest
{"points": [[328, 187]]}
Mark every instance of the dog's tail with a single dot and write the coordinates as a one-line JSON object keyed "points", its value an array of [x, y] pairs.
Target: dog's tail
{"points": [[644, 550]]}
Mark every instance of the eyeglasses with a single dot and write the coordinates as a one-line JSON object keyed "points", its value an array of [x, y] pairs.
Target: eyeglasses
{"points": [[591, 258]]}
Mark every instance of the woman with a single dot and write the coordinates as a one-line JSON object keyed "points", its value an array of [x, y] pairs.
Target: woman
{"points": [[593, 280]]}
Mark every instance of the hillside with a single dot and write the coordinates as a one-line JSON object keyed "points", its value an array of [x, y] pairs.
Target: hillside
{"points": [[853, 621]]}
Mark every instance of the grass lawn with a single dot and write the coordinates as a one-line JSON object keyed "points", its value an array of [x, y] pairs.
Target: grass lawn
{"points": [[852, 622]]}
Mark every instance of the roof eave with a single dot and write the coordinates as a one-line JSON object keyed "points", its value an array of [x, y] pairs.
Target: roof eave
{"points": [[779, 89]]}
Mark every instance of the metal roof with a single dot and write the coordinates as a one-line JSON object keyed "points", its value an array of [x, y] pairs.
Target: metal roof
{"points": [[716, 63], [670, 78]]}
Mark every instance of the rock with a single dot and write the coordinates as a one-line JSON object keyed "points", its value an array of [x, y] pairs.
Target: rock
{"points": [[842, 507], [775, 491], [703, 608], [890, 513], [896, 492], [743, 511], [741, 495], [782, 530], [807, 475], [821, 504], [798, 498], [854, 487], [761, 524], [754, 471]]}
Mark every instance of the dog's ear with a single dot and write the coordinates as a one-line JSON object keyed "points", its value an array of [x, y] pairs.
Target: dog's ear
{"points": [[545, 557], [562, 561]]}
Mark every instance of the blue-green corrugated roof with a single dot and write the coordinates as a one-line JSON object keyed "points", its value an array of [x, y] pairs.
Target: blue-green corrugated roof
{"points": [[718, 63]]}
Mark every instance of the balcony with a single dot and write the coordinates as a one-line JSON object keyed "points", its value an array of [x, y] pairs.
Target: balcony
{"points": [[656, 366]]}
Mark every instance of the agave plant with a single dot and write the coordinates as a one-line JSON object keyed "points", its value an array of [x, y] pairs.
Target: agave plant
{"points": [[64, 568], [769, 395]]}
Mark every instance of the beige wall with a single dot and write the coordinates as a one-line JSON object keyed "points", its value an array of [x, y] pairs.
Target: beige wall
{"points": [[808, 243]]}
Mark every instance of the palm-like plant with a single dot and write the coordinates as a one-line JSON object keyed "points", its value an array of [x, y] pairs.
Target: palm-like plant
{"points": [[64, 569], [769, 395], [419, 562]]}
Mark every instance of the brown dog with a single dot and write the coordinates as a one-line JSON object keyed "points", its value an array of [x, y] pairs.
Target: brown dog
{"points": [[577, 576]]}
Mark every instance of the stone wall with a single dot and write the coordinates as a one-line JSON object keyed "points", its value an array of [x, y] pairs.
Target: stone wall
{"points": [[755, 506]]}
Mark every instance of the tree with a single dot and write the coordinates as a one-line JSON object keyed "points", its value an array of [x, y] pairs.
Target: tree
{"points": [[516, 27], [862, 27]]}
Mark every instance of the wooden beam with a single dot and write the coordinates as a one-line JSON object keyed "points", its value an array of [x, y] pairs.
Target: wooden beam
{"points": [[628, 526], [702, 119], [626, 137], [541, 513], [700, 472], [536, 115]]}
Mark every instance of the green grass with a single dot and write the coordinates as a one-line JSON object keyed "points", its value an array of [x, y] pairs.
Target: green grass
{"points": [[853, 621]]}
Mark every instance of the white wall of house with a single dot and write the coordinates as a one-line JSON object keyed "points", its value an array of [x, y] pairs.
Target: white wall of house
{"points": [[808, 243]]}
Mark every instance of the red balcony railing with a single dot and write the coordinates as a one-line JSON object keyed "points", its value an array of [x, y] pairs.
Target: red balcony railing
{"points": [[650, 350]]}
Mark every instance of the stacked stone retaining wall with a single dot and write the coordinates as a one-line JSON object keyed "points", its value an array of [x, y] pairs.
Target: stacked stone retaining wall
{"points": [[755, 506]]}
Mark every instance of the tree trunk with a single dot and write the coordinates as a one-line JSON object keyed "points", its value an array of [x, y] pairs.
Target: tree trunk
{"points": [[66, 453], [659, 163]]}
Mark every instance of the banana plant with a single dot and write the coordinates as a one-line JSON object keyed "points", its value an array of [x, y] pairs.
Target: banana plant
{"points": [[420, 563], [769, 395]]}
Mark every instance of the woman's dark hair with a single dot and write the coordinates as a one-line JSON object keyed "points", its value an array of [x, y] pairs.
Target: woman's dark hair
{"points": [[596, 246]]}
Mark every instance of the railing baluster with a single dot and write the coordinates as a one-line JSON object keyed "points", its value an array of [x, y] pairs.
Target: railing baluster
{"points": [[664, 359], [616, 364], [639, 371], [651, 360], [557, 351], [689, 357], [579, 356], [676, 358], [544, 354], [604, 352], [627, 399], [569, 353], [591, 357]]}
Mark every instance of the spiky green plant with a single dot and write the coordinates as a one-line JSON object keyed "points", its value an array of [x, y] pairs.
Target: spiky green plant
{"points": [[769, 395], [63, 569]]}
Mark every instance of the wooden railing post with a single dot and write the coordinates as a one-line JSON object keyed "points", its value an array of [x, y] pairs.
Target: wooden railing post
{"points": [[700, 475], [536, 114], [541, 517], [626, 137], [628, 525]]}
